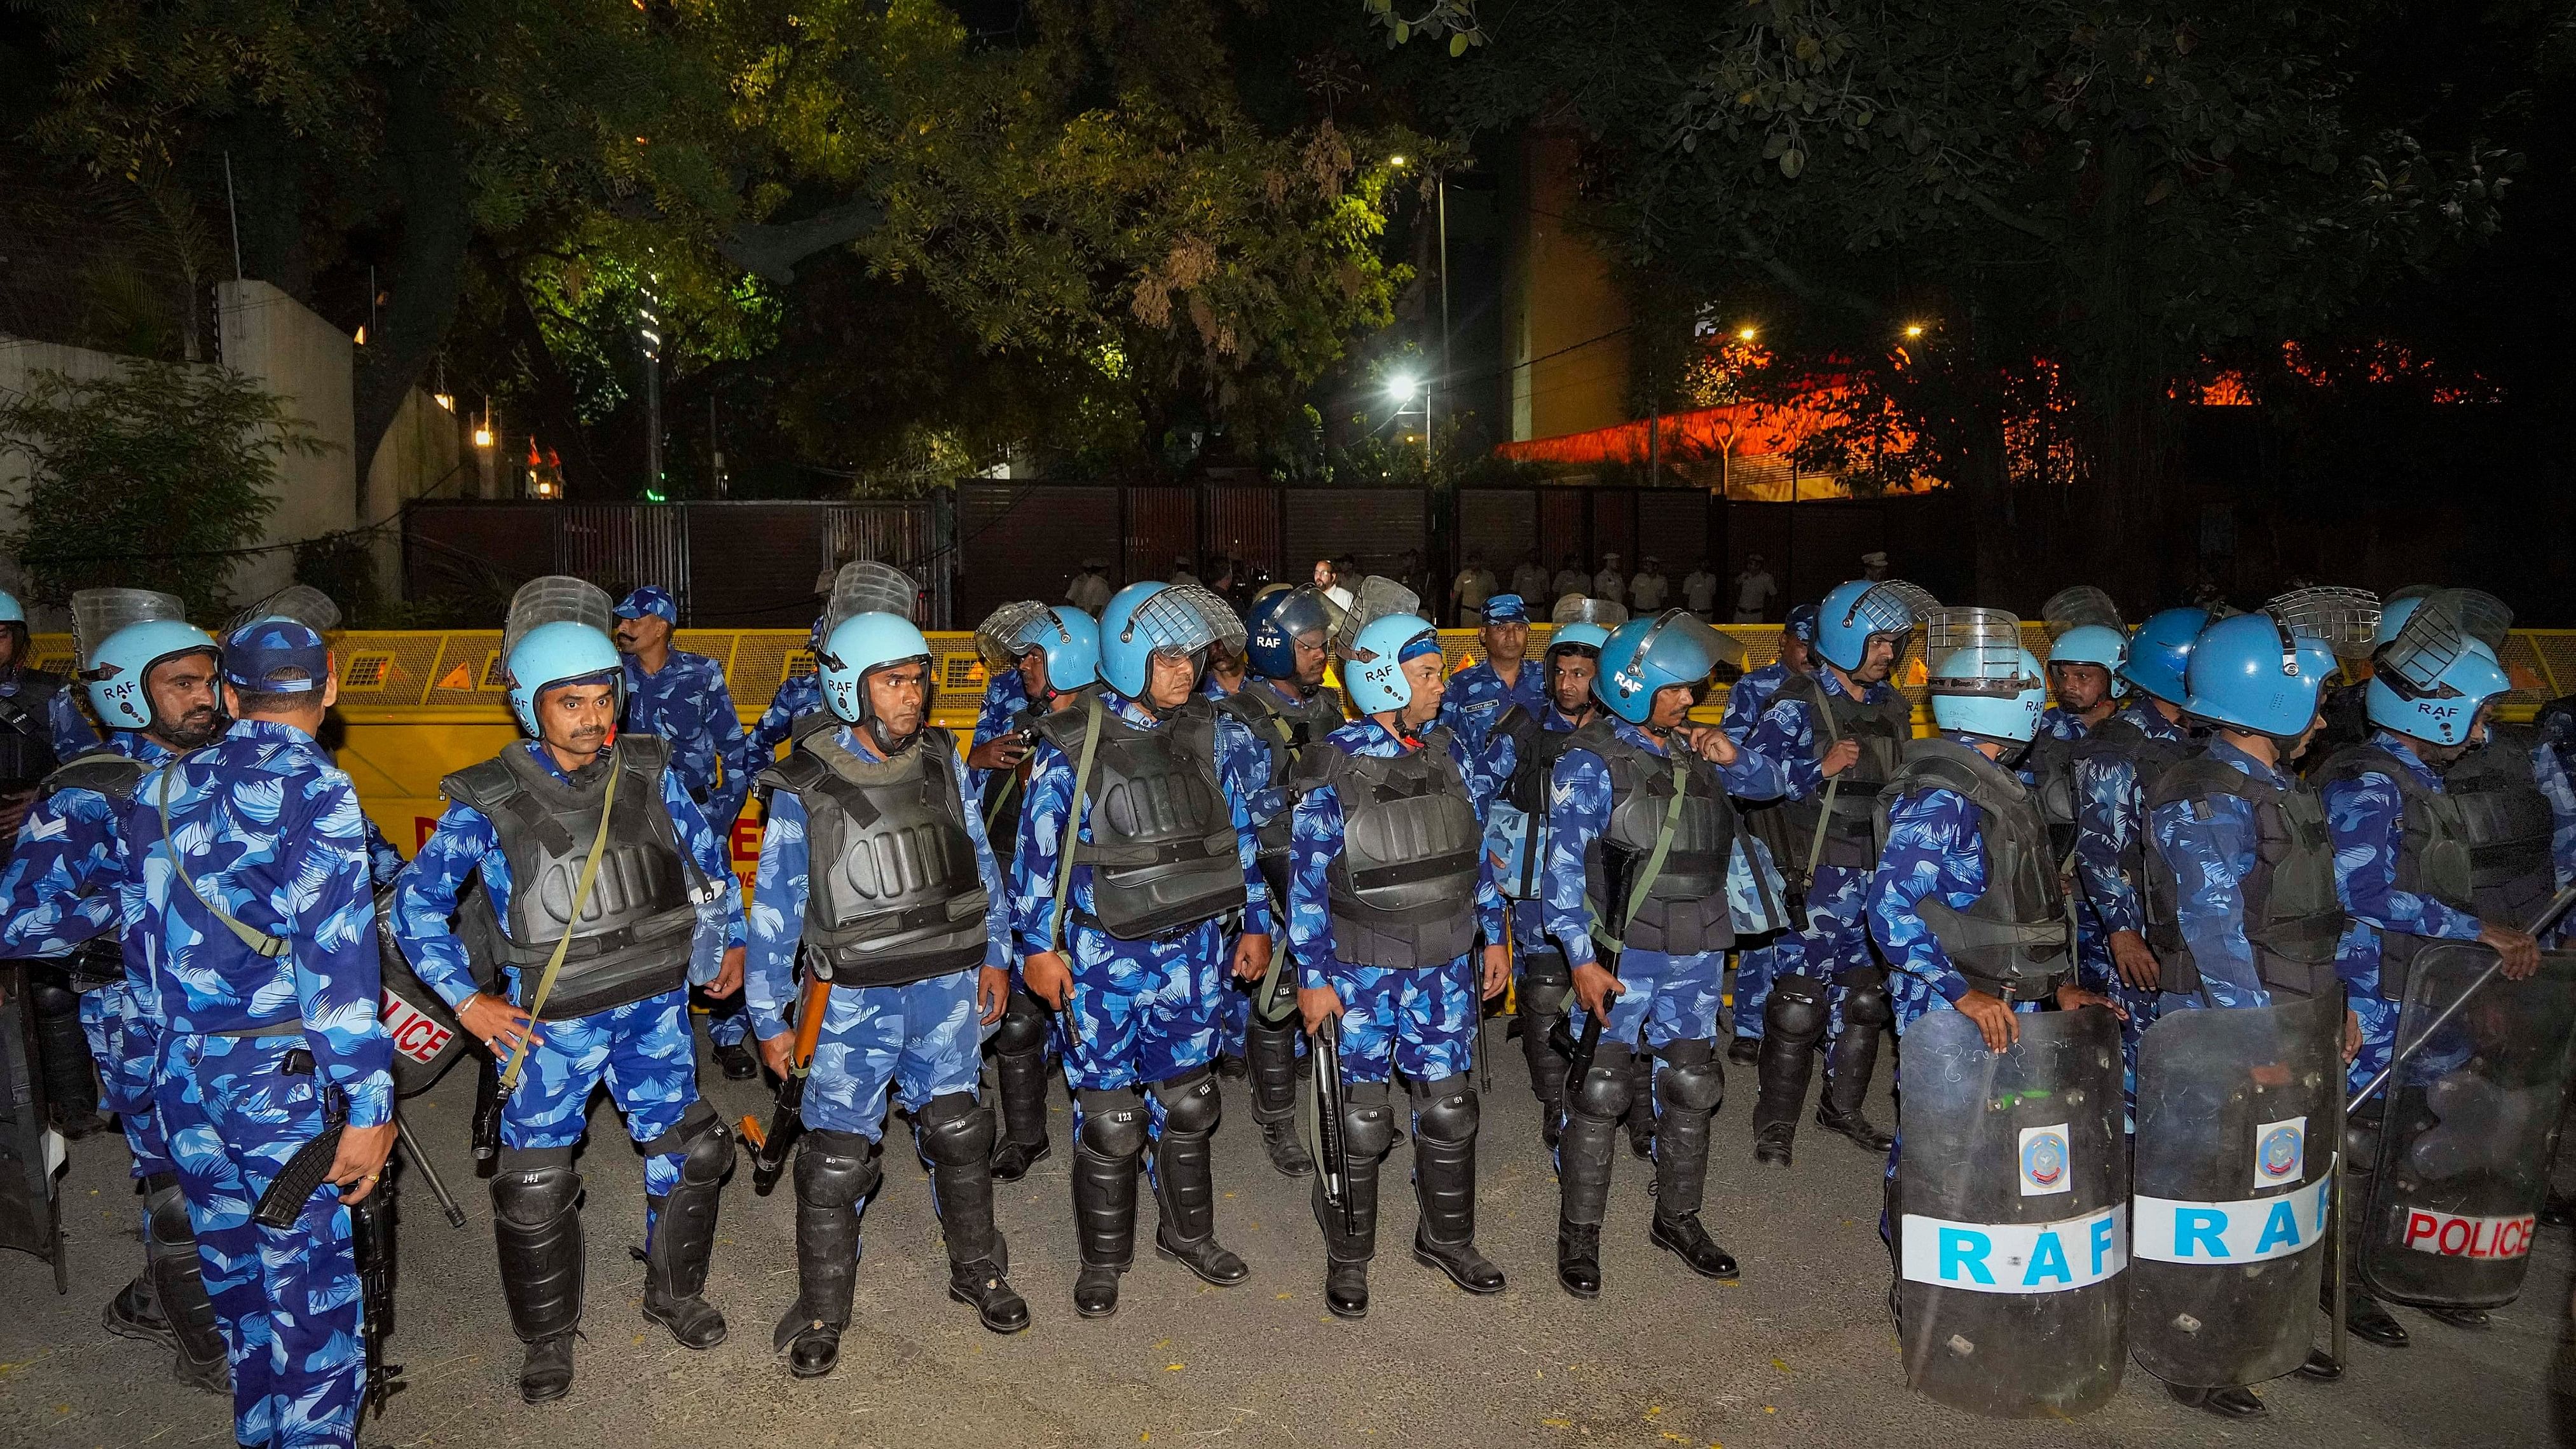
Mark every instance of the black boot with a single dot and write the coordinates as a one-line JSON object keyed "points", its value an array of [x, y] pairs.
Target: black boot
{"points": [[1593, 1108], [1350, 1231], [1272, 1052], [62, 1051], [684, 1230], [1848, 1064], [734, 1058], [168, 1304], [1793, 1023], [956, 1134], [1020, 1072], [2231, 1402], [836, 1172], [1105, 1154], [538, 1230], [1185, 1181], [1538, 1006], [1445, 1114], [1687, 1091], [1744, 1051]]}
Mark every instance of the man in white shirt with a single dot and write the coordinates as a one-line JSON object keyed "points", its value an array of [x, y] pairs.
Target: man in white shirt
{"points": [[1089, 591], [1529, 580], [1754, 591], [1646, 591], [1612, 582], [1699, 591], [1569, 580], [1469, 591], [1181, 570], [1328, 577]]}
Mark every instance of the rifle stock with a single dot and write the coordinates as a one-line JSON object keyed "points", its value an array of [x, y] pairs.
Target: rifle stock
{"points": [[371, 1242], [769, 1145]]}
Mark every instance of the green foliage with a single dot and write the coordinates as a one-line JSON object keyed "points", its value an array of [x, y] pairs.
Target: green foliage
{"points": [[158, 473], [1453, 18]]}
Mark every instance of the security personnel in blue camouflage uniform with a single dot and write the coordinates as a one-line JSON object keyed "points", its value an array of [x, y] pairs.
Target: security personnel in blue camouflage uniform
{"points": [[2402, 863], [876, 879], [799, 696], [2083, 675], [682, 698], [1125, 936], [2240, 885], [616, 1008], [1521, 751], [1640, 800], [1837, 732], [1388, 889], [2113, 768], [40, 728], [156, 685], [1479, 693], [1287, 710], [1746, 702], [1049, 655], [254, 929]]}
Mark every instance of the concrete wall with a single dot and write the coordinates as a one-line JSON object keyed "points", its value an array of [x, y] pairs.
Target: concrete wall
{"points": [[19, 360], [424, 452], [1560, 298]]}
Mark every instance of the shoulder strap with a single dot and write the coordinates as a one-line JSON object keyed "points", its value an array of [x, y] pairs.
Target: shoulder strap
{"points": [[1654, 866], [104, 771], [260, 942], [563, 943], [1073, 820]]}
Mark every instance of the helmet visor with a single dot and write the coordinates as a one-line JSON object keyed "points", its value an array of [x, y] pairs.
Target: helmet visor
{"points": [[1307, 611], [1974, 651], [1373, 599], [2344, 620], [555, 599], [1184, 619], [1576, 609], [1680, 643], [2076, 607], [1007, 633], [1892, 607], [869, 587], [98, 613], [303, 603], [2434, 638]]}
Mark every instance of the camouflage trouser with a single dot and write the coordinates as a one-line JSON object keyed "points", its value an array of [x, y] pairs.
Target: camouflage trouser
{"points": [[915, 1042], [642, 1050], [1420, 1021]]}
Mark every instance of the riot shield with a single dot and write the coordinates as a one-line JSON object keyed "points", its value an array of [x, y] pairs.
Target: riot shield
{"points": [[2240, 1113], [2468, 1132], [2013, 1202], [31, 1218], [426, 1037]]}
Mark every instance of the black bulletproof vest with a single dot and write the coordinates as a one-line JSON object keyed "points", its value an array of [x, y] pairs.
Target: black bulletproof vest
{"points": [[2293, 918], [1882, 730], [26, 730], [2148, 757], [2010, 941], [1403, 885], [892, 892], [2051, 762], [1285, 732], [2506, 823], [1005, 791], [1162, 847], [2432, 851], [632, 941], [1535, 751], [1685, 910], [99, 961]]}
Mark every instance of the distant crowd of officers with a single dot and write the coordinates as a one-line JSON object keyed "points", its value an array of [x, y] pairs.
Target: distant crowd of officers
{"points": [[1171, 854]]}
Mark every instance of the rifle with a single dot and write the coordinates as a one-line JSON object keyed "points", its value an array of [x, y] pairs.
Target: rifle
{"points": [[1618, 867], [371, 1241], [487, 1117], [769, 1146], [1333, 1161], [1824, 822]]}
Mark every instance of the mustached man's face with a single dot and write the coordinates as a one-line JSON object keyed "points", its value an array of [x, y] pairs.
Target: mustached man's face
{"points": [[634, 636], [899, 695], [187, 700], [1569, 682], [575, 720]]}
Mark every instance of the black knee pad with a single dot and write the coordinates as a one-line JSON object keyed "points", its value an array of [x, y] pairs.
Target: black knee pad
{"points": [[1367, 1123], [167, 1208], [1691, 1077], [1113, 1123], [704, 1142], [1191, 1102], [1798, 1010], [836, 1169], [1868, 1006], [1605, 1091], [1446, 1110], [531, 1195], [1545, 970], [1023, 1027], [955, 1129]]}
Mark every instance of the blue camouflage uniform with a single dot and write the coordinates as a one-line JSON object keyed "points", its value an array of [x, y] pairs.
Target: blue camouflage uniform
{"points": [[1837, 935], [2209, 845], [798, 696], [2110, 821], [688, 705], [2549, 772], [919, 1040], [1746, 702], [1143, 1011], [1669, 998], [1005, 699], [1502, 761], [267, 828], [642, 1049], [2366, 817], [1420, 1021], [1477, 697], [2092, 943]]}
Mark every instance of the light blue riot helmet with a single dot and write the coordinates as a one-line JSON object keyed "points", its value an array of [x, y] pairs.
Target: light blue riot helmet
{"points": [[1982, 681], [115, 676], [1583, 623], [1146, 617], [1856, 611], [1066, 636], [2094, 644], [1280, 618], [11, 611], [1373, 668], [1647, 655], [2430, 681], [2250, 672], [860, 645], [558, 633], [2160, 652]]}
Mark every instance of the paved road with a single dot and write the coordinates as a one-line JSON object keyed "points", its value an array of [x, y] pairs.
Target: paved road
{"points": [[1799, 1352]]}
